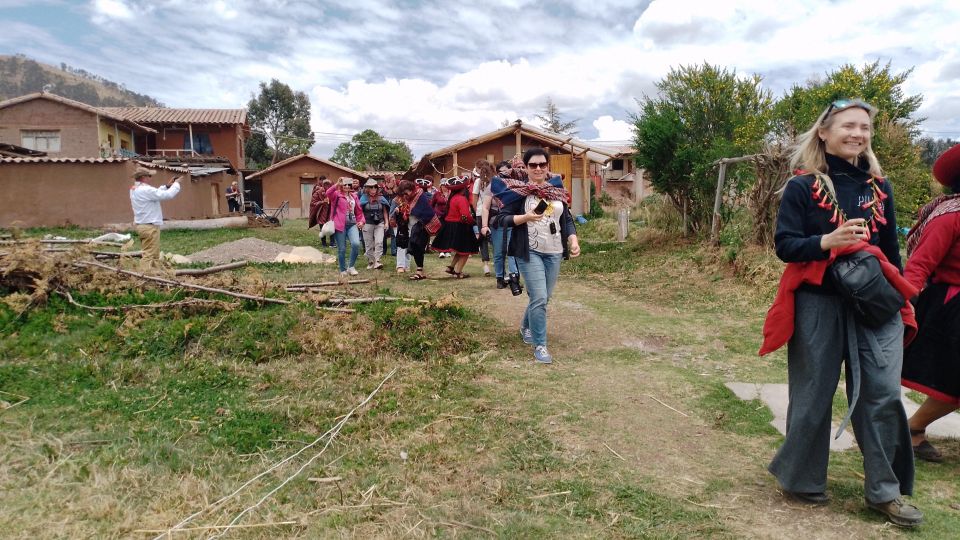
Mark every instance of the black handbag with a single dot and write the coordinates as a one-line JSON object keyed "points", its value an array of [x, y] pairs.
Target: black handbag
{"points": [[864, 288]]}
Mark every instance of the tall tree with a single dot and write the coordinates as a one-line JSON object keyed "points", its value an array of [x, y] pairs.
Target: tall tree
{"points": [[700, 114], [369, 150], [930, 148], [552, 120], [282, 116]]}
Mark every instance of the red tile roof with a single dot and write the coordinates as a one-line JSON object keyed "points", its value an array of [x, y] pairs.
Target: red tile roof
{"points": [[100, 111], [292, 159], [164, 115]]}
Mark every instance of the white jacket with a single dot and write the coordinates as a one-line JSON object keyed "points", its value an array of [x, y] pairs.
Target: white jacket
{"points": [[145, 200]]}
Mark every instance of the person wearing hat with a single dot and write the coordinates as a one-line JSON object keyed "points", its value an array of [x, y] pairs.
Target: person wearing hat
{"points": [[147, 214], [375, 207], [931, 362], [347, 218], [456, 236], [320, 206]]}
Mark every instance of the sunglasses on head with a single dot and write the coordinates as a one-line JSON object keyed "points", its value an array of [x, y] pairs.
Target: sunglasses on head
{"points": [[843, 104], [537, 165]]}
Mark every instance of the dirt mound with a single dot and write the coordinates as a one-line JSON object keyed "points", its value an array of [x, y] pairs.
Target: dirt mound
{"points": [[249, 249]]}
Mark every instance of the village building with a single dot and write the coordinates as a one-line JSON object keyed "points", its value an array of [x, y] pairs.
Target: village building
{"points": [[190, 135], [580, 163], [67, 162], [292, 181], [63, 127]]}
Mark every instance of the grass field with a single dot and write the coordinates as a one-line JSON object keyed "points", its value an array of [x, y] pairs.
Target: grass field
{"points": [[136, 420]]}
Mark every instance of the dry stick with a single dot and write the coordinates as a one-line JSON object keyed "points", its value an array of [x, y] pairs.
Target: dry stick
{"points": [[338, 309], [614, 451], [178, 303], [23, 399], [277, 465], [545, 495], [333, 435], [453, 523], [372, 299], [667, 406], [325, 284], [50, 241], [210, 269], [174, 283], [208, 527]]}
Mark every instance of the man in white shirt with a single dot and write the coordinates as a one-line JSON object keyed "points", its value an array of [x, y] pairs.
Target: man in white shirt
{"points": [[147, 215]]}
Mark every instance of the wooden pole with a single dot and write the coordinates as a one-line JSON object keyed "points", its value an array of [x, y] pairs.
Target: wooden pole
{"points": [[517, 132], [190, 127], [715, 226], [623, 224], [585, 182], [455, 171], [209, 269]]}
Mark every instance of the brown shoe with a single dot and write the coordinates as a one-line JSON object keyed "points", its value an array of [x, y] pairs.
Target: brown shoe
{"points": [[898, 512]]}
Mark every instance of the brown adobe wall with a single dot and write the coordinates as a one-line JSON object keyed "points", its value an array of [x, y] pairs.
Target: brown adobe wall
{"points": [[93, 194], [78, 128], [283, 184]]}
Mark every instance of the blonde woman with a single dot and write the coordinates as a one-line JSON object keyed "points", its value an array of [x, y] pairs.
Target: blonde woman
{"points": [[838, 204]]}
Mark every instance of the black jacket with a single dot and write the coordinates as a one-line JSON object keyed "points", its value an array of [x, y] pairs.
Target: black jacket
{"points": [[520, 240], [801, 223]]}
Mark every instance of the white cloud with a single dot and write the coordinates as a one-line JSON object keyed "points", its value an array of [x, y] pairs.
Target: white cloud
{"points": [[609, 129], [105, 10]]}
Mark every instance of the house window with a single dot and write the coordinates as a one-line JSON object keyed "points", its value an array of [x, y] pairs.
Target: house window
{"points": [[617, 165], [201, 143], [44, 141]]}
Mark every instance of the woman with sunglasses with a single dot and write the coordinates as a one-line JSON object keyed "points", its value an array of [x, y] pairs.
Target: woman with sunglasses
{"points": [[837, 204], [347, 216], [543, 233], [931, 363]]}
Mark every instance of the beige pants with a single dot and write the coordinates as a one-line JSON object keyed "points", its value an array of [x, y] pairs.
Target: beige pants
{"points": [[150, 244]]}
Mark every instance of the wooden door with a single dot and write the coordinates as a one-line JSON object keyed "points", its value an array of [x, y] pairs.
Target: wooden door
{"points": [[306, 193], [562, 164]]}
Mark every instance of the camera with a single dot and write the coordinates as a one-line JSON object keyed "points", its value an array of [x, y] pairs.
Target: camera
{"points": [[513, 279]]}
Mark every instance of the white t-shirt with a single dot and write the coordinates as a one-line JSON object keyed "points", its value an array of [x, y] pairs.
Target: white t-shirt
{"points": [[540, 238], [480, 195]]}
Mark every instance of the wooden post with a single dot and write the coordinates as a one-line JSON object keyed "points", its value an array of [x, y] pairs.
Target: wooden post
{"points": [[192, 151], [715, 226], [518, 143], [623, 224], [684, 216], [586, 181], [456, 170]]}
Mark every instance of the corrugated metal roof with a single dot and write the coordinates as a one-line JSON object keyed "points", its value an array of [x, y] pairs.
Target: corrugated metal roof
{"points": [[164, 115]]}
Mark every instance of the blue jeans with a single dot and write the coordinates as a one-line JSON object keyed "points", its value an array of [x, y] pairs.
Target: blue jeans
{"points": [[353, 235], [540, 277], [497, 236]]}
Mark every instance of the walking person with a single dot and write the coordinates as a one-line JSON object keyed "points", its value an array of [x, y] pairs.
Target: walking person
{"points": [[319, 206], [421, 221], [840, 205], [931, 363], [389, 190], [347, 219], [401, 233], [483, 172], [456, 236], [375, 208], [543, 234], [499, 236], [147, 213]]}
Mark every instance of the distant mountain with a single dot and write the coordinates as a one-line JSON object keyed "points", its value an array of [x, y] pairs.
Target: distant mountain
{"points": [[20, 75]]}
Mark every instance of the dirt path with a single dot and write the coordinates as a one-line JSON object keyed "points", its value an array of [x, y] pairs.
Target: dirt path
{"points": [[621, 377]]}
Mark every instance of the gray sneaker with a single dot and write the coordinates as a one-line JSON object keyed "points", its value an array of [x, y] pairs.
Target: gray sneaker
{"points": [[527, 335], [899, 512], [541, 355]]}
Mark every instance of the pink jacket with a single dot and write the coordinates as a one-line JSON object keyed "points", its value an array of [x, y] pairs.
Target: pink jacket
{"points": [[339, 206]]}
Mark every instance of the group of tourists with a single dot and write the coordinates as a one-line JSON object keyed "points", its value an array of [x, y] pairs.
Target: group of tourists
{"points": [[846, 298], [516, 209]]}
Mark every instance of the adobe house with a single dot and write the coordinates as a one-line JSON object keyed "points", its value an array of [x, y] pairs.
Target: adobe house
{"points": [[579, 162], [93, 192], [189, 135], [63, 127], [292, 180], [622, 177]]}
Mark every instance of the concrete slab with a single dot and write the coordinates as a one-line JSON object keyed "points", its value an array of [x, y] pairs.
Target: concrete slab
{"points": [[775, 397]]}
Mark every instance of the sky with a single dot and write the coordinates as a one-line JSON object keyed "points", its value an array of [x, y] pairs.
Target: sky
{"points": [[435, 72]]}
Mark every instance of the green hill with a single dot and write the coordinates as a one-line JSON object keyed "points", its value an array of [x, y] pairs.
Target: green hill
{"points": [[20, 75]]}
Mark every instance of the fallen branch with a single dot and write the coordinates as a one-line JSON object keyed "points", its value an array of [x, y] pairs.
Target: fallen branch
{"points": [[164, 305], [545, 495], [614, 451], [223, 527], [299, 287], [325, 480], [667, 406], [174, 283], [116, 254], [372, 299], [332, 432], [210, 269], [338, 309], [68, 241], [717, 506], [23, 399], [354, 507]]}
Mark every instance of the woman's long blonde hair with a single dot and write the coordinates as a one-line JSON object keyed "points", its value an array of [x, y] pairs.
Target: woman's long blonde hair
{"points": [[810, 152]]}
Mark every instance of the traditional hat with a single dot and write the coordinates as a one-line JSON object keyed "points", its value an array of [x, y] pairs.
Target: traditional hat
{"points": [[371, 183], [423, 182], [143, 171], [947, 167], [443, 181], [457, 182]]}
